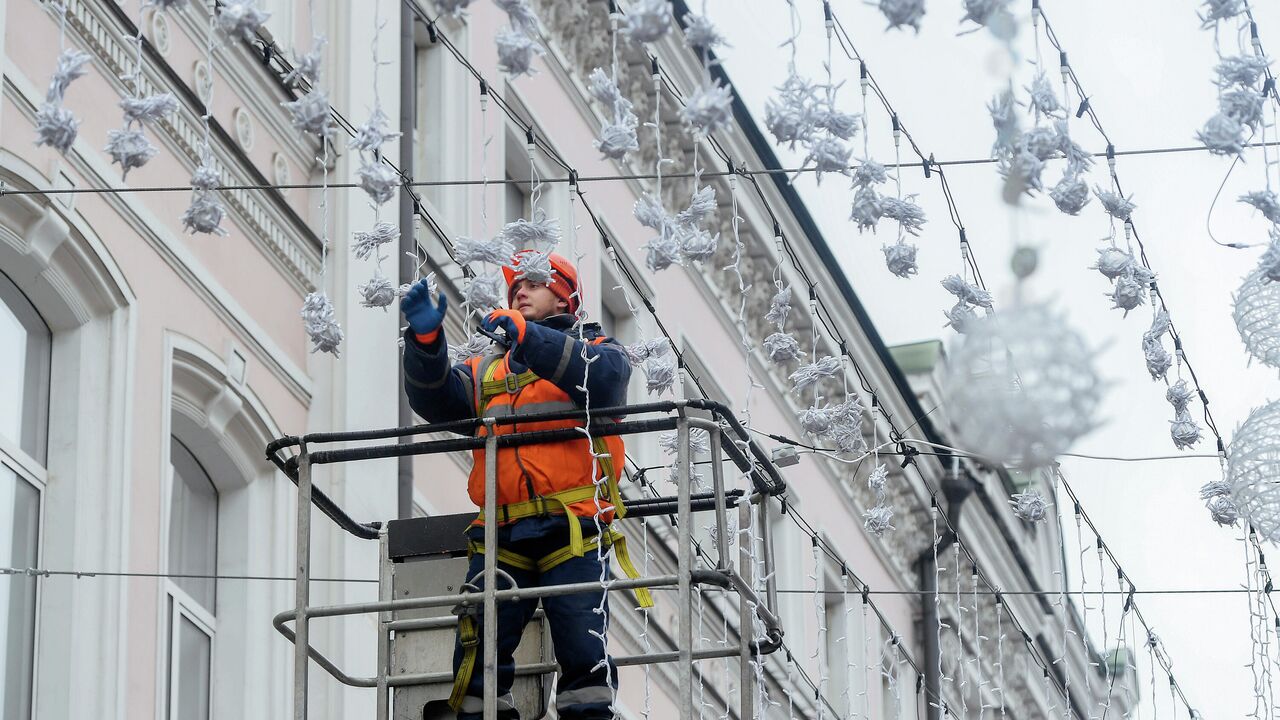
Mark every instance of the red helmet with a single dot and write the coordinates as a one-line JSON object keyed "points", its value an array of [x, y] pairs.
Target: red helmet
{"points": [[564, 282]]}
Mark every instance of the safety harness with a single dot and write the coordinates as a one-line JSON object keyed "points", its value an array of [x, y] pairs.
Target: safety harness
{"points": [[556, 503]]}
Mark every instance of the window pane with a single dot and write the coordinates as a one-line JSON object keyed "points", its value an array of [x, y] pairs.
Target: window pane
{"points": [[194, 650], [25, 342], [193, 526], [19, 520]]}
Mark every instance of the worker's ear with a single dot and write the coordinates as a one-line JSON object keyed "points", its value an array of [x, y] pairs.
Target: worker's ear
{"points": [[562, 306]]}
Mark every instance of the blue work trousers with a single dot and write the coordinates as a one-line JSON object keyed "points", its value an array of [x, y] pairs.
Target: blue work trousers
{"points": [[586, 684]]}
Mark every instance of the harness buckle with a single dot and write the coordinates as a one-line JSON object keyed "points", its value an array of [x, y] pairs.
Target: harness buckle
{"points": [[468, 612], [511, 382]]}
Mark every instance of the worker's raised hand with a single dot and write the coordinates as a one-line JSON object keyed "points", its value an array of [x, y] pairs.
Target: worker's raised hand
{"points": [[425, 317], [511, 322]]}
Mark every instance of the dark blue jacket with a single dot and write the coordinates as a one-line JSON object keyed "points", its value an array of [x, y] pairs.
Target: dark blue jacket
{"points": [[440, 392]]}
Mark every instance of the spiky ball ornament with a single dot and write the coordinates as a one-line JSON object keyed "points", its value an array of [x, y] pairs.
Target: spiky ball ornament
{"points": [[1257, 316], [782, 347], [1253, 464], [321, 323], [659, 374], [1029, 506], [645, 21], [878, 520], [1023, 389], [903, 13], [900, 258]]}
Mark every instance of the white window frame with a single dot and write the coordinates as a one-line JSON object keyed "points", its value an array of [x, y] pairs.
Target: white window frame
{"points": [[56, 258], [31, 471], [182, 605], [214, 412], [27, 470]]}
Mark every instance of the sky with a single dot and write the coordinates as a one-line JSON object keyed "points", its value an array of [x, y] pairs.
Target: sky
{"points": [[1147, 67]]}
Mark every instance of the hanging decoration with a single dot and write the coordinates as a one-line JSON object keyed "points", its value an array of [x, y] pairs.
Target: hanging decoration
{"points": [[640, 351], [1130, 279], [986, 13], [902, 13], [867, 205], [319, 317], [701, 34], [241, 19], [1269, 266], [1183, 428], [618, 136], [660, 371], [497, 251], [1030, 505], [1265, 202], [1023, 156], [808, 375], [56, 126], [1216, 10], [1158, 359], [709, 109], [321, 323], [1113, 262], [1239, 101], [1117, 206], [1253, 464], [128, 146], [969, 297], [781, 346], [204, 214], [377, 178], [1216, 495], [1025, 386], [647, 21], [680, 238], [518, 43], [1256, 310]]}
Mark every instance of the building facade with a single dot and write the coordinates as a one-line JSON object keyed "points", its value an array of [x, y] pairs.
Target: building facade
{"points": [[146, 368]]}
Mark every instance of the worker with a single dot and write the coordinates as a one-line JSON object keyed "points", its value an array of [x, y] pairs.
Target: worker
{"points": [[552, 497]]}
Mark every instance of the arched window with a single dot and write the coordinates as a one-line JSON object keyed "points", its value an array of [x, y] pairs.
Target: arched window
{"points": [[25, 343], [193, 561]]}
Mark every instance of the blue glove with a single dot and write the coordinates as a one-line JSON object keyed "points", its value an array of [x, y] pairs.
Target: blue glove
{"points": [[425, 317]]}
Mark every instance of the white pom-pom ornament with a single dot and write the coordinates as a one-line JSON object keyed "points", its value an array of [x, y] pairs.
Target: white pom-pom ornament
{"points": [[1253, 464], [1024, 389]]}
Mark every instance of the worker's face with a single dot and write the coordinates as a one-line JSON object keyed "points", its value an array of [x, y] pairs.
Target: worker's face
{"points": [[535, 301]]}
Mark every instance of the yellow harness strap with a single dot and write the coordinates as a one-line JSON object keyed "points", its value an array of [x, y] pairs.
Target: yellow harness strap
{"points": [[490, 388], [551, 504], [610, 537], [469, 640]]}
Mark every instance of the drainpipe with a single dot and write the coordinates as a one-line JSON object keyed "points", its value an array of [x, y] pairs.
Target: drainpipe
{"points": [[956, 487], [408, 240]]}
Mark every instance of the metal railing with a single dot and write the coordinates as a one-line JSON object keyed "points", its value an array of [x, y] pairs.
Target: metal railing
{"points": [[740, 450]]}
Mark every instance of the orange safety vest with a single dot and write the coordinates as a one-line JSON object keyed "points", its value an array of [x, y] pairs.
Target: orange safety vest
{"points": [[542, 479]]}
